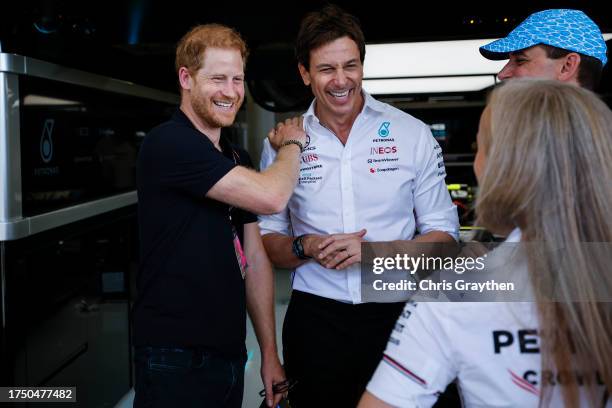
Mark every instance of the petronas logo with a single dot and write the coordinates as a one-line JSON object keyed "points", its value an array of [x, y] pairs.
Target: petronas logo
{"points": [[46, 142], [383, 130]]}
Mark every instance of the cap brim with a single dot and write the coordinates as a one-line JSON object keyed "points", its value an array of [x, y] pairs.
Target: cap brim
{"points": [[495, 56], [501, 49]]}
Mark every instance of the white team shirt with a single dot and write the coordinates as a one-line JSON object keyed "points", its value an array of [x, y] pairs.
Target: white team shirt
{"points": [[491, 348], [388, 178]]}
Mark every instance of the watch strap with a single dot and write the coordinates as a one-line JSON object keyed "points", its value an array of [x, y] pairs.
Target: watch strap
{"points": [[298, 248]]}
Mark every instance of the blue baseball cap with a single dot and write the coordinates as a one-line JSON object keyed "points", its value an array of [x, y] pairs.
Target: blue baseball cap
{"points": [[570, 30]]}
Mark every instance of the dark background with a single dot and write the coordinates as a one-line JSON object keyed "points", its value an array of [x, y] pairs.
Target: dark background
{"points": [[134, 39]]}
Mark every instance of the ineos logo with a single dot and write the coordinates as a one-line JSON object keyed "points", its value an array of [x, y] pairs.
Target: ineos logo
{"points": [[383, 150], [46, 142]]}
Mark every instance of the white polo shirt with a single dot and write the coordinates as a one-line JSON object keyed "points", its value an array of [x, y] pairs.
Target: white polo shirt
{"points": [[492, 349], [388, 178]]}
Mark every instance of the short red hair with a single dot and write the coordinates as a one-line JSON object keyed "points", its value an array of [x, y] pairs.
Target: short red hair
{"points": [[190, 49]]}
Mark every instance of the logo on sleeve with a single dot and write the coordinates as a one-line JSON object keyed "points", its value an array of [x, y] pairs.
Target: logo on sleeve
{"points": [[440, 158]]}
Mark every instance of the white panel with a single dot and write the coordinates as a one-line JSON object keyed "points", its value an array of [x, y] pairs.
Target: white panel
{"points": [[432, 58], [427, 85]]}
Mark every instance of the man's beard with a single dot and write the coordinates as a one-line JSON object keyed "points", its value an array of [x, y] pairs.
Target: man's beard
{"points": [[205, 112]]}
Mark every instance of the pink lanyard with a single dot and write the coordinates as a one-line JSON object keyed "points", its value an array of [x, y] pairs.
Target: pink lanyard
{"points": [[240, 257]]}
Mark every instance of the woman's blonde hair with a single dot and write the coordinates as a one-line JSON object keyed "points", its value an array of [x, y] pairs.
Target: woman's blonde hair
{"points": [[549, 172]]}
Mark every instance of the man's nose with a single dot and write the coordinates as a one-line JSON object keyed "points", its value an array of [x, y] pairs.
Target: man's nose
{"points": [[230, 89], [341, 78], [506, 72]]}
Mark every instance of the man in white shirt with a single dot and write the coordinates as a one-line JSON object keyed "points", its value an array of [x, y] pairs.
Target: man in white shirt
{"points": [[368, 172]]}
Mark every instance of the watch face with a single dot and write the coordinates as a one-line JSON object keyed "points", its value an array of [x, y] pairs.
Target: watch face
{"points": [[296, 247]]}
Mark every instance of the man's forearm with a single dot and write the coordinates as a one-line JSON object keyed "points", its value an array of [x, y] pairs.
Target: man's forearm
{"points": [[275, 177], [435, 236], [260, 302], [279, 249], [431, 244], [260, 290]]}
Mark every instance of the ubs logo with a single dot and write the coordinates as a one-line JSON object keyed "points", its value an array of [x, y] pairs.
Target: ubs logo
{"points": [[46, 142], [309, 158]]}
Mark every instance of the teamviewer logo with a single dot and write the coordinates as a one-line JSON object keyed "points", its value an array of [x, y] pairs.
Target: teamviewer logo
{"points": [[46, 142]]}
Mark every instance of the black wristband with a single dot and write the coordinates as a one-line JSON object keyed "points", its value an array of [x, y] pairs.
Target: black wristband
{"points": [[298, 248], [295, 142]]}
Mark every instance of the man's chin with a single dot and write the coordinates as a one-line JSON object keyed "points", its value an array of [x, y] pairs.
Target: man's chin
{"points": [[342, 109], [220, 121], [225, 122]]}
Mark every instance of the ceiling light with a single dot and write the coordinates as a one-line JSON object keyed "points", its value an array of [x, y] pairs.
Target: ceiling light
{"points": [[38, 100]]}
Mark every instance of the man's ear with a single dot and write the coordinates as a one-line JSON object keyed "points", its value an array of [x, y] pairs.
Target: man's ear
{"points": [[569, 69], [305, 74], [185, 78]]}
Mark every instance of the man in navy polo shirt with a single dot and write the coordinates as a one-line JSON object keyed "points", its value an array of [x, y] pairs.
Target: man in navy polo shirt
{"points": [[202, 259]]}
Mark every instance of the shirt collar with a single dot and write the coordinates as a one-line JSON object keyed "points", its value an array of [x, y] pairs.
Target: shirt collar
{"points": [[515, 236], [180, 117], [370, 104], [226, 146]]}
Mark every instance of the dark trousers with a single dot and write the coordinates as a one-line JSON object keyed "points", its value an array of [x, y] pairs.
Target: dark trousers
{"points": [[332, 348], [175, 377]]}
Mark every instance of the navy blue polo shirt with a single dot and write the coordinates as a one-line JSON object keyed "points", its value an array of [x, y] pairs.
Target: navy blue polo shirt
{"points": [[190, 290]]}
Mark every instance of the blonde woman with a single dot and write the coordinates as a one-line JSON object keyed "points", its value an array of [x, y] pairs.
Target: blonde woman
{"points": [[545, 169]]}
